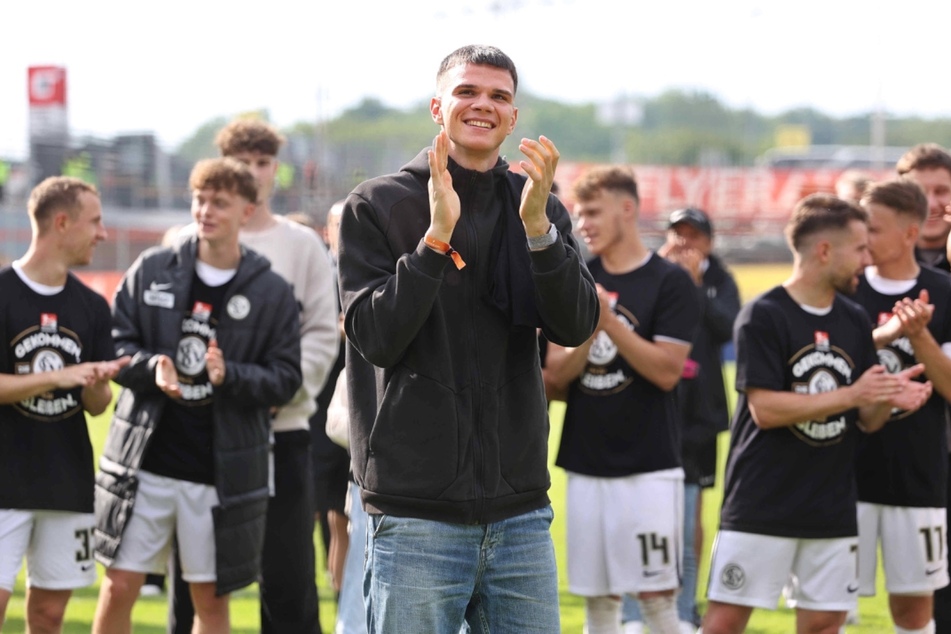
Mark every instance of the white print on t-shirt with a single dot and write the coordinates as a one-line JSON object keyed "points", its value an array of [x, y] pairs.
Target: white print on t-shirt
{"points": [[889, 360], [48, 340], [190, 357], [39, 350], [821, 371], [603, 352]]}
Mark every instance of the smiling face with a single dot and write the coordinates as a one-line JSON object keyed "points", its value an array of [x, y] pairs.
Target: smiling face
{"points": [[936, 183], [476, 106], [219, 215]]}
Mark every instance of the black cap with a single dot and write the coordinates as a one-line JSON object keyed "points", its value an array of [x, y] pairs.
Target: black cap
{"points": [[693, 217]]}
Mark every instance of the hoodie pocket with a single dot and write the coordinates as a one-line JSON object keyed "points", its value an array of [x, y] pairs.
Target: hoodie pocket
{"points": [[414, 443], [523, 433]]}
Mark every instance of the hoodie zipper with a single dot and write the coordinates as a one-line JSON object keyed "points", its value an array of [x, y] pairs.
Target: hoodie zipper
{"points": [[472, 245]]}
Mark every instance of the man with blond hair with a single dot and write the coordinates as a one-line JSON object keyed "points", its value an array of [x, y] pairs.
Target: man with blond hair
{"points": [[621, 440], [902, 471], [56, 362]]}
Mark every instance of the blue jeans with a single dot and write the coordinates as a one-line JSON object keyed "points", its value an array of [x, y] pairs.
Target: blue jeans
{"points": [[436, 577], [686, 600], [351, 613]]}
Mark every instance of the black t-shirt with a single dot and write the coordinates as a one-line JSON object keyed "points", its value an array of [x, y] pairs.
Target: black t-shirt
{"points": [[45, 454], [796, 481], [906, 463], [183, 442], [617, 422]]}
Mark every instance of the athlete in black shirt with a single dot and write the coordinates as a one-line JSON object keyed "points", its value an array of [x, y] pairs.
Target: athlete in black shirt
{"points": [[55, 352], [621, 439], [902, 471], [806, 375]]}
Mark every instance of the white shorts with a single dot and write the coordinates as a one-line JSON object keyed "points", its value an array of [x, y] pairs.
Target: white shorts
{"points": [[166, 507], [751, 570], [625, 535], [914, 553], [58, 546]]}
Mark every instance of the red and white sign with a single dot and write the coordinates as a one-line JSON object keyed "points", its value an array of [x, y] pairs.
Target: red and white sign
{"points": [[47, 86], [738, 195]]}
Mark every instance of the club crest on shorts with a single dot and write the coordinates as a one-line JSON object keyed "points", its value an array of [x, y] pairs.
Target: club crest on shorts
{"points": [[733, 577], [238, 307]]}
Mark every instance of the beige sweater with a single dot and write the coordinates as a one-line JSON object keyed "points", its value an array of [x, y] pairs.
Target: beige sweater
{"points": [[299, 256]]}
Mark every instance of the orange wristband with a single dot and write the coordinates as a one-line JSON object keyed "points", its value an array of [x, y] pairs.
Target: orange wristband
{"points": [[446, 249]]}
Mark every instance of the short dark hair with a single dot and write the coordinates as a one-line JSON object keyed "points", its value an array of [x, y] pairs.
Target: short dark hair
{"points": [[820, 212], [902, 195], [249, 135], [224, 174], [924, 156], [480, 55], [616, 179], [57, 193]]}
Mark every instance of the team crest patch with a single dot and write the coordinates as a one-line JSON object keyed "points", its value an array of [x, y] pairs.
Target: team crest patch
{"points": [[822, 340], [883, 318], [733, 577], [238, 307], [48, 322]]}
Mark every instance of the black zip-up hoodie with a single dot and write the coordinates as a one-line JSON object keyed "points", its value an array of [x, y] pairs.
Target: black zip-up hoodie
{"points": [[261, 347], [448, 417]]}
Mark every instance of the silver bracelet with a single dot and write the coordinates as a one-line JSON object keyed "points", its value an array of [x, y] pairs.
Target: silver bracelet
{"points": [[537, 243]]}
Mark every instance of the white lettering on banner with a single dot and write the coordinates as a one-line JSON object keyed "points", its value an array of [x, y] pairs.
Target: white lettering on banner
{"points": [[757, 195]]}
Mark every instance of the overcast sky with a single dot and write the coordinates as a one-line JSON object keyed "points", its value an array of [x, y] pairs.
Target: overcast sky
{"points": [[170, 66]]}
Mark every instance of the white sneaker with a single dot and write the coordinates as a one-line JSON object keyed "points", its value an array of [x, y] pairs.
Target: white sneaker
{"points": [[150, 590], [686, 627], [633, 627]]}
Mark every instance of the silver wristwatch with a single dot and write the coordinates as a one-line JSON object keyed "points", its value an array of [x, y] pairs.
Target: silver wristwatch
{"points": [[537, 243]]}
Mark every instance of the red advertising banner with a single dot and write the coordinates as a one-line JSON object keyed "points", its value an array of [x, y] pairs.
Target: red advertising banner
{"points": [[744, 194], [47, 86]]}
